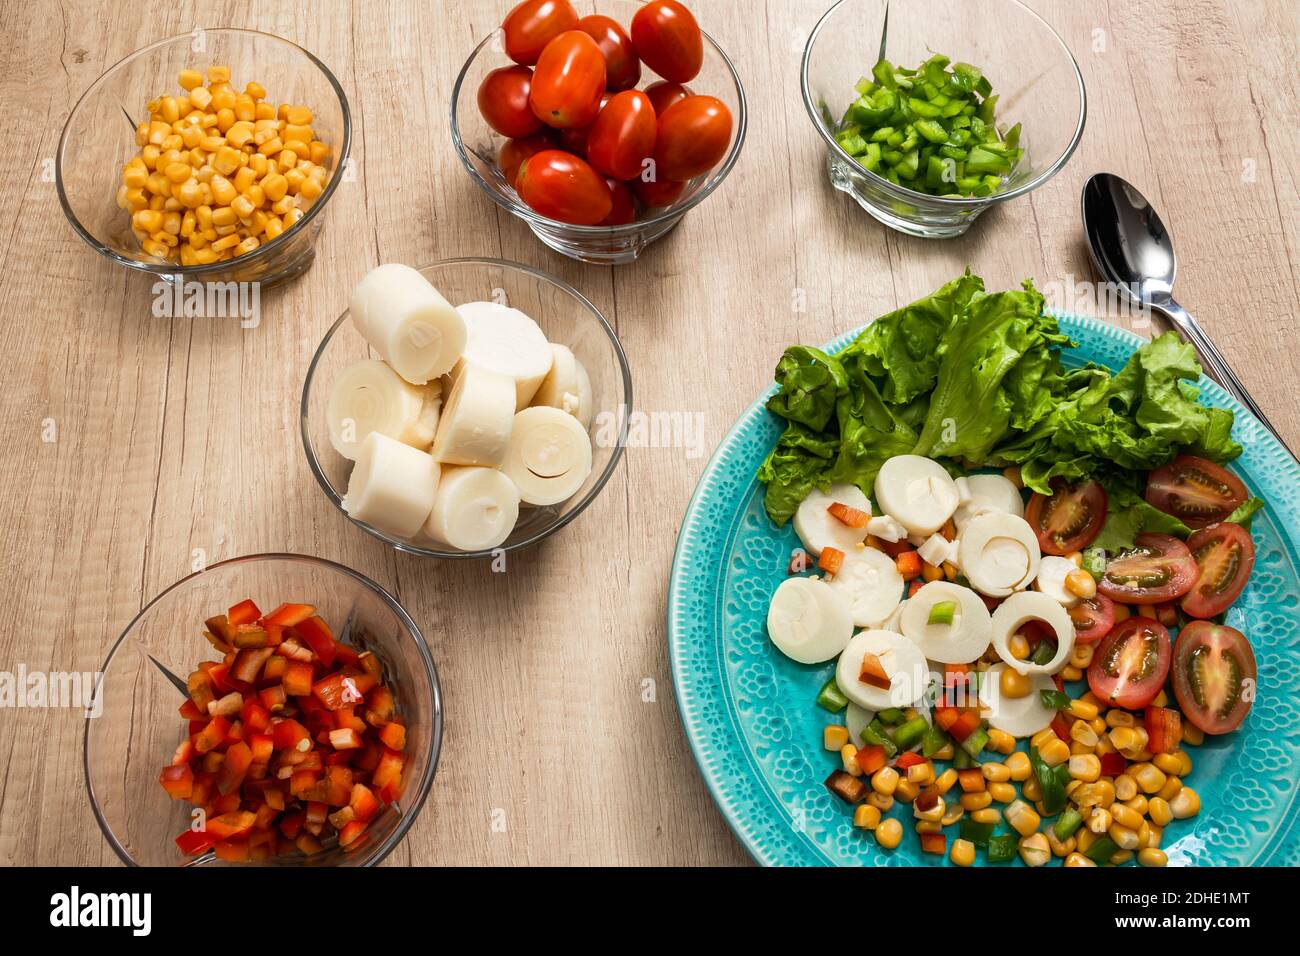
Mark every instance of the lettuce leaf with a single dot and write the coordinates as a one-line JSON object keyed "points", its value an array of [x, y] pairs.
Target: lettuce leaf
{"points": [[799, 463], [1128, 514]]}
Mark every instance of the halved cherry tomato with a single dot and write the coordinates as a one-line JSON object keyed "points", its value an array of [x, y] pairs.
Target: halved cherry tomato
{"points": [[657, 192], [569, 81], [622, 65], [1195, 491], [515, 151], [1093, 619], [623, 136], [533, 24], [561, 186], [1225, 556], [692, 138], [664, 94], [668, 40], [1214, 676], [1157, 568], [1068, 519], [503, 101], [624, 208], [1130, 666]]}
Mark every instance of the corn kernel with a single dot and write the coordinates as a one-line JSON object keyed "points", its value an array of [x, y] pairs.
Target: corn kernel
{"points": [[883, 802], [1148, 776], [996, 772], [1034, 849], [248, 245], [866, 817], [1192, 734], [1001, 742], [1022, 818], [1078, 859], [946, 780], [1054, 752], [848, 756], [1018, 764], [962, 852], [834, 737], [1186, 803], [906, 791], [225, 242], [889, 833], [1085, 767], [885, 780], [1002, 792], [1124, 838], [1150, 856]]}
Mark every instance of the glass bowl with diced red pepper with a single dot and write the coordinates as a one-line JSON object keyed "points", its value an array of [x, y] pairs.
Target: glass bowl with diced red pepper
{"points": [[305, 734]]}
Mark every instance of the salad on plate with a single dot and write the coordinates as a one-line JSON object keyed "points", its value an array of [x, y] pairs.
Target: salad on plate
{"points": [[1020, 570]]}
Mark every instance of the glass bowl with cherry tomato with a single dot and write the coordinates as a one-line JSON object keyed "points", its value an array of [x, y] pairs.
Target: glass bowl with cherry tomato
{"points": [[601, 130], [238, 638]]}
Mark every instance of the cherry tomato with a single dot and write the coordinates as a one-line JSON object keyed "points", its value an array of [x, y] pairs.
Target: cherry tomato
{"points": [[503, 101], [1130, 666], [1093, 618], [1225, 556], [624, 210], [515, 151], [664, 94], [1156, 569], [668, 40], [575, 140], [561, 186], [657, 192], [569, 81], [622, 65], [1069, 518], [533, 24], [623, 136], [693, 136], [1214, 676], [1196, 491]]}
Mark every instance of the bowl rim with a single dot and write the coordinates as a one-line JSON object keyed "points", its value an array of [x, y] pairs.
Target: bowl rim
{"points": [[406, 547], [667, 215], [955, 203], [422, 789], [177, 270]]}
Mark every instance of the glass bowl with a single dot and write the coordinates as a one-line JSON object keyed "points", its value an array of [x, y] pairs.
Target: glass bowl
{"points": [[478, 145], [565, 315], [1032, 71], [100, 137], [138, 728]]}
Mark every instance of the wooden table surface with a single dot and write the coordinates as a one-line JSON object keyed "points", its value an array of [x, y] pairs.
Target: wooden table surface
{"points": [[176, 435]]}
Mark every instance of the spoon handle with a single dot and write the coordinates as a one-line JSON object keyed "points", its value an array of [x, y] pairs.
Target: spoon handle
{"points": [[1216, 366]]}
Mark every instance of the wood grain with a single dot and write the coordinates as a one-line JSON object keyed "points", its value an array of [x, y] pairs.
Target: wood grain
{"points": [[175, 435]]}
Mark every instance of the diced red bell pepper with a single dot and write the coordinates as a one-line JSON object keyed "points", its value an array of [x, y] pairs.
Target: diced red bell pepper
{"points": [[232, 851], [288, 734], [291, 823], [245, 612], [307, 843], [317, 635], [1113, 764], [934, 843], [895, 548], [908, 759], [273, 698], [274, 669], [967, 722], [391, 791], [870, 758], [221, 627], [390, 766], [1164, 729], [345, 718], [230, 825], [346, 739], [831, 560], [274, 635], [908, 564], [873, 673], [317, 812], [227, 803], [212, 734], [345, 656], [1060, 727], [928, 798], [337, 690], [379, 706], [203, 786], [211, 761], [200, 688], [351, 832], [274, 798], [847, 787], [248, 665], [913, 586], [178, 781], [265, 816], [393, 735], [364, 804], [340, 758], [945, 716], [184, 752], [971, 780], [297, 679], [235, 734], [302, 781], [264, 836], [848, 516], [190, 710], [234, 768], [195, 842], [255, 718], [338, 786], [262, 747], [219, 675], [289, 615]]}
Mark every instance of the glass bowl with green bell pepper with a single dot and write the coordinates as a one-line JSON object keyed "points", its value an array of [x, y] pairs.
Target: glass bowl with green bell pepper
{"points": [[963, 107]]}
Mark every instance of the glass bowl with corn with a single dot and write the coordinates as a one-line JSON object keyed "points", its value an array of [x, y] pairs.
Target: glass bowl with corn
{"points": [[207, 157]]}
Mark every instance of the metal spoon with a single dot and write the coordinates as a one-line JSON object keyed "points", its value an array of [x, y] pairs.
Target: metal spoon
{"points": [[1130, 248]]}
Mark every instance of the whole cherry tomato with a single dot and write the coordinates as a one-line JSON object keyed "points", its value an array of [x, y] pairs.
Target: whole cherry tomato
{"points": [[503, 101], [693, 136], [575, 140], [668, 40], [624, 210], [569, 81], [664, 94], [561, 186], [623, 136], [657, 192], [515, 151], [533, 24], [622, 65]]}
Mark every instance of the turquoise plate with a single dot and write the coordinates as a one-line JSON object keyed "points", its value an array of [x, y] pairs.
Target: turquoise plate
{"points": [[756, 733]]}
